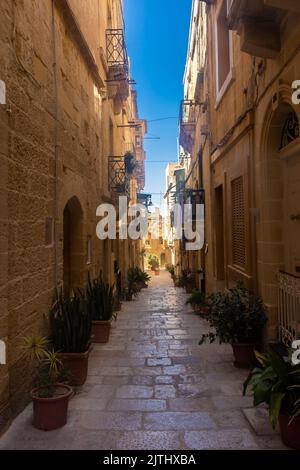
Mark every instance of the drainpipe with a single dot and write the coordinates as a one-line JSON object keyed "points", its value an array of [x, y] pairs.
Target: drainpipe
{"points": [[56, 147], [253, 215]]}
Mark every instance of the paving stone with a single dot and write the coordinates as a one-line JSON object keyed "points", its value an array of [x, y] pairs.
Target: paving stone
{"points": [[178, 420], [174, 370], [190, 404], [85, 403], [142, 380], [259, 420], [226, 439], [137, 404], [164, 380], [134, 391], [141, 440], [158, 361], [107, 420], [164, 391]]}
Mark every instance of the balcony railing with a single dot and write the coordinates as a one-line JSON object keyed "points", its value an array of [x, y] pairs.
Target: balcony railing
{"points": [[288, 308], [116, 48], [118, 181], [117, 61]]}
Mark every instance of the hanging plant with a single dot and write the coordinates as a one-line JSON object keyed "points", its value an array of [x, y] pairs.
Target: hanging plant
{"points": [[130, 163]]}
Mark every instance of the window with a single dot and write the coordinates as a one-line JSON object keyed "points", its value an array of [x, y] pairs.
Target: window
{"points": [[89, 250], [223, 51], [238, 223]]}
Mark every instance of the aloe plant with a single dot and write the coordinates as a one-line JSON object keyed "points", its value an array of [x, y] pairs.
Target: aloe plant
{"points": [[100, 300], [71, 324]]}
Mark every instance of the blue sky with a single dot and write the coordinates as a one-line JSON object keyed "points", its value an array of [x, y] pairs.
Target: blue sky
{"points": [[157, 40]]}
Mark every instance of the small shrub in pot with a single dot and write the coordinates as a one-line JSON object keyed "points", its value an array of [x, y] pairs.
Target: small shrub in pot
{"points": [[238, 318]]}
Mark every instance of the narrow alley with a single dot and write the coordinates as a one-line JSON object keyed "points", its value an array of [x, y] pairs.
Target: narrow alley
{"points": [[153, 387]]}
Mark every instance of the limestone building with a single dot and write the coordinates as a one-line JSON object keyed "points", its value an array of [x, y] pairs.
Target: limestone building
{"points": [[68, 116], [240, 130]]}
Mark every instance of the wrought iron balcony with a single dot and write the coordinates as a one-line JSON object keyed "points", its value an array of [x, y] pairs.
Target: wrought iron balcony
{"points": [[117, 61], [187, 124], [117, 175], [121, 170]]}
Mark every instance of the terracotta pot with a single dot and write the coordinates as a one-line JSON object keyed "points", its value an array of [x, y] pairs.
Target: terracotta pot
{"points": [[290, 434], [77, 365], [244, 354], [118, 306], [157, 272], [201, 310], [100, 331], [51, 413]]}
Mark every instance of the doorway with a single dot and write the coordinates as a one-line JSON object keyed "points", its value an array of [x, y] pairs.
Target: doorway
{"points": [[73, 249]]}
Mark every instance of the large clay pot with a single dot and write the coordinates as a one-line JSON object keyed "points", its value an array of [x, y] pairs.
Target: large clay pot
{"points": [[290, 433], [77, 365], [100, 331], [201, 310], [51, 413], [244, 354]]}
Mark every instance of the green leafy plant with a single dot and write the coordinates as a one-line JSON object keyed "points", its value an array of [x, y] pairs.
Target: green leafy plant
{"points": [[71, 324], [277, 383], [199, 298], [171, 269], [237, 316], [153, 262], [133, 279], [48, 370], [100, 300], [187, 277]]}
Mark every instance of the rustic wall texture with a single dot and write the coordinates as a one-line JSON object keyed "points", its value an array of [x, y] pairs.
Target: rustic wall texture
{"points": [[54, 146]]}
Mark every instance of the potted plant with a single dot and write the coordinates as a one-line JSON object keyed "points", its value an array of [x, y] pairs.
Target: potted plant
{"points": [[200, 302], [188, 280], [71, 325], [130, 163], [100, 302], [132, 284], [237, 317], [144, 279], [171, 269], [50, 396], [153, 262], [277, 383]]}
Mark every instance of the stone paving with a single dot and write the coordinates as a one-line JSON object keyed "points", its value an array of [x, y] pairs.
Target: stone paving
{"points": [[153, 387]]}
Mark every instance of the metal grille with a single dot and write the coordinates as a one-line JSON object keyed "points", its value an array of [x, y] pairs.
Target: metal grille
{"points": [[116, 48], [117, 175], [238, 223], [288, 308], [290, 130]]}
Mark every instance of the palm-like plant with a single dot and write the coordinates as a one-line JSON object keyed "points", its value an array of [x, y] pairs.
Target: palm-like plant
{"points": [[71, 324], [100, 300]]}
